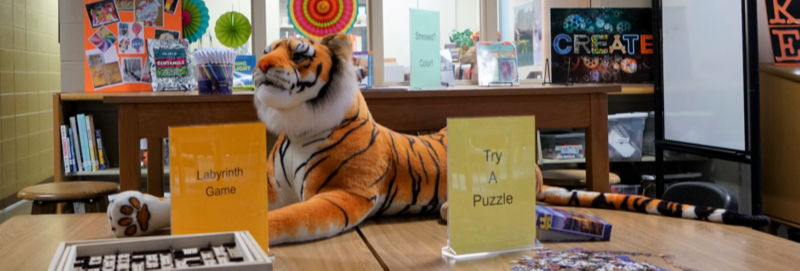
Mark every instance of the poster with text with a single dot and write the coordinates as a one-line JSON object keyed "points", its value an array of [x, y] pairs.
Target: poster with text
{"points": [[115, 39], [601, 45]]}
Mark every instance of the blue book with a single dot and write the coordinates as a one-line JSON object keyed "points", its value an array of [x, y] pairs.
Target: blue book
{"points": [[72, 163], [557, 225], [243, 72], [84, 138]]}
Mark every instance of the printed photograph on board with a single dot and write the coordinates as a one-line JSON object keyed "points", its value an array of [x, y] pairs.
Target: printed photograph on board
{"points": [[124, 5], [601, 45], [167, 34], [131, 69], [103, 39], [150, 12], [102, 13], [131, 38], [106, 75], [95, 59], [170, 6]]}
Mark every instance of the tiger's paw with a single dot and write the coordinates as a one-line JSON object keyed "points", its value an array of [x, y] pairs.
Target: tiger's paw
{"points": [[132, 213]]}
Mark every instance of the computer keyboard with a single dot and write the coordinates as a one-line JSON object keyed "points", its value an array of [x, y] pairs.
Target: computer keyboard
{"points": [[216, 251]]}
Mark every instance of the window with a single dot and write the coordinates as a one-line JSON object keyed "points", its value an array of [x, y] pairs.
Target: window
{"points": [[279, 25], [522, 22], [215, 9], [454, 15]]}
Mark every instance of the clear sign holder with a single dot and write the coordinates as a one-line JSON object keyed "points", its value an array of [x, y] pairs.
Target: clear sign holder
{"points": [[491, 187]]}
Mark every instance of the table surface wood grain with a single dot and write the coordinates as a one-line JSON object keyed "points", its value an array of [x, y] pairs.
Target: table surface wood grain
{"points": [[29, 243], [409, 243], [415, 243]]}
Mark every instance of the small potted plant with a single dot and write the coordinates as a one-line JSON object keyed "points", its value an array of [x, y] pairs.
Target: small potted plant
{"points": [[462, 40]]}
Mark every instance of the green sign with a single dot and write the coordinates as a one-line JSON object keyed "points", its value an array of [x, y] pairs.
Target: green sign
{"points": [[425, 59]]}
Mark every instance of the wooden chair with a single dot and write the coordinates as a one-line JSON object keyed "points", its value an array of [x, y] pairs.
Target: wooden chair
{"points": [[571, 178], [47, 196]]}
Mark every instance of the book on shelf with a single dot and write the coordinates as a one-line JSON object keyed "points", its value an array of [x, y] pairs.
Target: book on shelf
{"points": [[82, 145], [75, 146], [72, 158], [497, 64], [243, 72], [91, 139], [65, 149], [102, 158]]}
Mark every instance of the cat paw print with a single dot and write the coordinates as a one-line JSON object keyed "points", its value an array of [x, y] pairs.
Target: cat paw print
{"points": [[133, 215]]}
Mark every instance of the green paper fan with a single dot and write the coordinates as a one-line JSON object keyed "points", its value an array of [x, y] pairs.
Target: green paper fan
{"points": [[194, 19], [232, 29]]}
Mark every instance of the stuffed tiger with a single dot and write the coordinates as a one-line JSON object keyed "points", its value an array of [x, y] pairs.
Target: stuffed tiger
{"points": [[333, 166]]}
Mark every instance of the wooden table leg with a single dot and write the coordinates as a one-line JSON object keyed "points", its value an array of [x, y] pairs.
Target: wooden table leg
{"points": [[130, 173], [597, 145], [155, 166]]}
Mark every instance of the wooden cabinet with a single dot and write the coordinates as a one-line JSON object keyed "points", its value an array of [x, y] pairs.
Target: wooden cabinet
{"points": [[780, 143]]}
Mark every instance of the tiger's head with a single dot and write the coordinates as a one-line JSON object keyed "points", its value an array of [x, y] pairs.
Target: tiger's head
{"points": [[304, 86]]}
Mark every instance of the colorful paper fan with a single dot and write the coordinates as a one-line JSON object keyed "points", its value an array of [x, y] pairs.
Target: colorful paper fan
{"points": [[232, 29], [318, 18], [194, 19]]}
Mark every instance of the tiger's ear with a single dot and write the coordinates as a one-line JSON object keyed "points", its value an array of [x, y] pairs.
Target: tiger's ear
{"points": [[339, 44]]}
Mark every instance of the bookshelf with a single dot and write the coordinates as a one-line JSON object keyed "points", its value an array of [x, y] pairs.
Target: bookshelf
{"points": [[632, 98]]}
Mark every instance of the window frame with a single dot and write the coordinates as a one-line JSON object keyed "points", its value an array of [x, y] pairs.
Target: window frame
{"points": [[488, 20]]}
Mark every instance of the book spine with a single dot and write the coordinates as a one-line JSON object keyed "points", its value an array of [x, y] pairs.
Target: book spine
{"points": [[75, 144], [87, 160], [72, 156], [65, 148], [90, 137], [369, 71], [101, 152]]}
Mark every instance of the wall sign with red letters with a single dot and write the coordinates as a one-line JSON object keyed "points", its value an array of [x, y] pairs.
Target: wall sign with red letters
{"points": [[783, 18]]}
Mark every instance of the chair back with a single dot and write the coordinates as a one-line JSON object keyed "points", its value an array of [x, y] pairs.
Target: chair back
{"points": [[702, 194]]}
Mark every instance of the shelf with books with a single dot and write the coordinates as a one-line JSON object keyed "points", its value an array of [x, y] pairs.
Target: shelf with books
{"points": [[82, 145], [107, 172]]}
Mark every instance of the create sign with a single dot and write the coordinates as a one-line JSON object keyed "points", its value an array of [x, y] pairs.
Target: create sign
{"points": [[592, 45], [784, 31]]}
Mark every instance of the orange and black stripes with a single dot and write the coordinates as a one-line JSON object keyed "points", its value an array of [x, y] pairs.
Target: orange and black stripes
{"points": [[560, 196]]}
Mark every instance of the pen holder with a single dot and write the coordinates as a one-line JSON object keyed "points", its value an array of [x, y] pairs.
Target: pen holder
{"points": [[215, 79]]}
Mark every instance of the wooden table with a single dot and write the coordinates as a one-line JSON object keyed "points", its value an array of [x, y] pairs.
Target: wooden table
{"points": [[149, 115], [29, 243], [413, 243]]}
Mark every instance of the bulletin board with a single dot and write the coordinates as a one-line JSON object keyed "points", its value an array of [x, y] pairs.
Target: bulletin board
{"points": [[115, 36]]}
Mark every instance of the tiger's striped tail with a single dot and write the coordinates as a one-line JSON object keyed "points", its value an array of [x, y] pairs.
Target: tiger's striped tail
{"points": [[563, 197]]}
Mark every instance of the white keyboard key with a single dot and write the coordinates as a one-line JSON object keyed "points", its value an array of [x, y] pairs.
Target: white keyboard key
{"points": [[123, 265], [151, 265], [95, 260], [207, 255], [137, 266]]}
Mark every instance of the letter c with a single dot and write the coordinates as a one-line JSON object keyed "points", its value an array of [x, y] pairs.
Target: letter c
{"points": [[562, 50]]}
